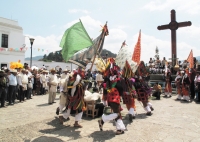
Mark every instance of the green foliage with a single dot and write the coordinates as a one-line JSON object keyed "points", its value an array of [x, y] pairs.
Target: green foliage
{"points": [[57, 56]]}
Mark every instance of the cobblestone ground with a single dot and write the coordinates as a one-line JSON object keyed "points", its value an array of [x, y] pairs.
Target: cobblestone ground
{"points": [[36, 121]]}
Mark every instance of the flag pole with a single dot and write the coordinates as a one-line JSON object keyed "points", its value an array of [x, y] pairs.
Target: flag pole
{"points": [[102, 34]]}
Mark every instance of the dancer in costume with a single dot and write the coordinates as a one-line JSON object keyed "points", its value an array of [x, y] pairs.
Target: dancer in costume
{"points": [[168, 86], [112, 96], [185, 86], [76, 99], [178, 81], [143, 92], [142, 88], [129, 95]]}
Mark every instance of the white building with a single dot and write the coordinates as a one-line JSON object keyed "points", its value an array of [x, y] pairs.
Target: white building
{"points": [[12, 42]]}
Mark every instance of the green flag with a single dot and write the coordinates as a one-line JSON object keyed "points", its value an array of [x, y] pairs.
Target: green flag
{"points": [[74, 39]]}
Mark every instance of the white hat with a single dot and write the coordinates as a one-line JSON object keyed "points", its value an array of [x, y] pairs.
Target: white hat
{"points": [[66, 70], [13, 70]]}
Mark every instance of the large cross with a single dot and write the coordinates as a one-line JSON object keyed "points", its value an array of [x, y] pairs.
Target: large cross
{"points": [[173, 26]]}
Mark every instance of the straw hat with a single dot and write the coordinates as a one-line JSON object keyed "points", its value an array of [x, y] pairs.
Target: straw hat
{"points": [[53, 70]]}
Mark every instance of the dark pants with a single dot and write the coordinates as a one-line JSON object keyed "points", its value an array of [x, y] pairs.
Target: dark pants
{"points": [[42, 90], [2, 95], [29, 90], [100, 107], [198, 96], [156, 94], [20, 94], [11, 94], [192, 90]]}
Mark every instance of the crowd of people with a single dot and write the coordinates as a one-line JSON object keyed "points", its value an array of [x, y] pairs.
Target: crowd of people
{"points": [[106, 88], [160, 66]]}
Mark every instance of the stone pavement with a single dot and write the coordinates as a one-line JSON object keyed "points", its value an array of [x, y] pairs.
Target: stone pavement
{"points": [[36, 121]]}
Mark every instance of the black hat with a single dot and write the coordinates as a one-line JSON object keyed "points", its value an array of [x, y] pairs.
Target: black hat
{"points": [[79, 63]]}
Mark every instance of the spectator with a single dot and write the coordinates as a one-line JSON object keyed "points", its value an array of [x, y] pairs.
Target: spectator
{"points": [[157, 92], [12, 86], [3, 86]]}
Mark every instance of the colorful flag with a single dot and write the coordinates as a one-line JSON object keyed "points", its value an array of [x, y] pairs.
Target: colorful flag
{"points": [[137, 50], [74, 39], [88, 53], [127, 71], [190, 59]]}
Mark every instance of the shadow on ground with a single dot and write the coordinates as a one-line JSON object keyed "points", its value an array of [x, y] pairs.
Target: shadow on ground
{"points": [[46, 139], [102, 136]]}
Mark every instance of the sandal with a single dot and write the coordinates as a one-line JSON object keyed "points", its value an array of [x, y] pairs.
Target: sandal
{"points": [[130, 117], [100, 125], [78, 126]]}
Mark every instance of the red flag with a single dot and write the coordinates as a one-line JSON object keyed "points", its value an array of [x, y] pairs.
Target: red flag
{"points": [[137, 50], [190, 59]]}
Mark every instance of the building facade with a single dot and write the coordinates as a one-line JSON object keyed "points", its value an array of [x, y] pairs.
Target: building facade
{"points": [[12, 42]]}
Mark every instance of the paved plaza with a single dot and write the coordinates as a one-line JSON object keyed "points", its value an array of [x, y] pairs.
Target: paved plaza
{"points": [[36, 121]]}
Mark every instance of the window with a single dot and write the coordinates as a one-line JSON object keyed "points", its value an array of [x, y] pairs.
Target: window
{"points": [[4, 40]]}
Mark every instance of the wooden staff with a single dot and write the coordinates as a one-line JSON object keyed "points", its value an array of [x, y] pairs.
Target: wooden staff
{"points": [[103, 34]]}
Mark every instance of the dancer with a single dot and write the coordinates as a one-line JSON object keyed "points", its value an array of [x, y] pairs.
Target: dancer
{"points": [[76, 99], [112, 96], [168, 86], [63, 91]]}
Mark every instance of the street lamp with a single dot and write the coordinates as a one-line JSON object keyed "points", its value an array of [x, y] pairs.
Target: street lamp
{"points": [[31, 41]]}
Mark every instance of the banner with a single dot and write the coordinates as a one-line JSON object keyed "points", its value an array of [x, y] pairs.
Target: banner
{"points": [[137, 50], [74, 39], [190, 59]]}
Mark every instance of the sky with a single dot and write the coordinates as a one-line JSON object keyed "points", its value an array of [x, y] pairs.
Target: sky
{"points": [[46, 22]]}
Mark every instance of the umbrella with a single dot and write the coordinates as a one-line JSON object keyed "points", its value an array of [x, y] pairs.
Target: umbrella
{"points": [[123, 55]]}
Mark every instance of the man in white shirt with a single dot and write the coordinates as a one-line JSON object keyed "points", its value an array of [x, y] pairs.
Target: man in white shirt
{"points": [[12, 86], [43, 82], [53, 83], [99, 79]]}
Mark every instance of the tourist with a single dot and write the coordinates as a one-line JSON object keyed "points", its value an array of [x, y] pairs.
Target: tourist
{"points": [[3, 86], [12, 87], [157, 92], [63, 91], [52, 83], [168, 86], [185, 85]]}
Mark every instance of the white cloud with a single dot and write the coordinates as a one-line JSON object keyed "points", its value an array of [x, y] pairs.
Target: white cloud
{"points": [[43, 45], [115, 38], [78, 11], [191, 7]]}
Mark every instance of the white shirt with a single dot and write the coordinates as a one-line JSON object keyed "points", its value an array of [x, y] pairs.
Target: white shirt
{"points": [[99, 77], [197, 79], [12, 80]]}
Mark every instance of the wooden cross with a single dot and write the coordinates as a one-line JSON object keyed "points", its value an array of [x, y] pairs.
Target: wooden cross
{"points": [[173, 26]]}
